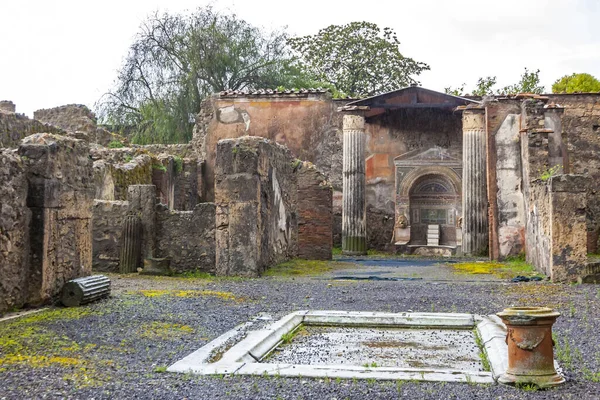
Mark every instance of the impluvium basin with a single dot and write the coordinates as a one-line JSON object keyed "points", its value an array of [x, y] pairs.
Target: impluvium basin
{"points": [[369, 345]]}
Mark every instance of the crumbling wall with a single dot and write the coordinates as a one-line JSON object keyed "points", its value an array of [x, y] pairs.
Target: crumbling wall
{"points": [[555, 205], [178, 179], [79, 121], [187, 238], [581, 131], [256, 193], [315, 214], [60, 196], [108, 217], [14, 231], [556, 227], [15, 127]]}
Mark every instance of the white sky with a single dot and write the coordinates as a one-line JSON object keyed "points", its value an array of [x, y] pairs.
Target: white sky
{"points": [[55, 52]]}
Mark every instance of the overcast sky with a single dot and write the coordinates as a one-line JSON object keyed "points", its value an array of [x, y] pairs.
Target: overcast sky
{"points": [[55, 52]]}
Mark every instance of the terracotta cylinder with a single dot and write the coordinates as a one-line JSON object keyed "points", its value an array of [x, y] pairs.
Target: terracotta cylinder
{"points": [[530, 346]]}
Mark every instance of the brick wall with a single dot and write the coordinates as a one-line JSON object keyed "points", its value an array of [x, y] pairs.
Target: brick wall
{"points": [[315, 214]]}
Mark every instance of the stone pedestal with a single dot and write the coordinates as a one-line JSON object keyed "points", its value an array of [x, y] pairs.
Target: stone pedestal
{"points": [[530, 347], [474, 190], [354, 223]]}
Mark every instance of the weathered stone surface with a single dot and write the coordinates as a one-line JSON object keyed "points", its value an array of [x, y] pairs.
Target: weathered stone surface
{"points": [[108, 217], [131, 244], [60, 196], [556, 227], [187, 238], [315, 216], [142, 202], [507, 213], [79, 121], [14, 231], [256, 202], [14, 127]]}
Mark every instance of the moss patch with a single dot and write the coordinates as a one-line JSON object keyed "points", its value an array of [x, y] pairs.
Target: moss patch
{"points": [[190, 293], [298, 267], [164, 330], [32, 342], [504, 270]]}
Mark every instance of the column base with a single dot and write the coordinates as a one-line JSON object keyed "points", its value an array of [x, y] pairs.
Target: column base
{"points": [[354, 246], [542, 381]]}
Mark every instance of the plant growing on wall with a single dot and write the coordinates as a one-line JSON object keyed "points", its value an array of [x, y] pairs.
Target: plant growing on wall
{"points": [[358, 59]]}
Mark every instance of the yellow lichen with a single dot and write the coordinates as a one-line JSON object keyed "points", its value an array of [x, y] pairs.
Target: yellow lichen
{"points": [[504, 270], [190, 293], [39, 361], [164, 330]]}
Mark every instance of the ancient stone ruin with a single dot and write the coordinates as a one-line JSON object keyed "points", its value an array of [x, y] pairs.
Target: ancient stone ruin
{"points": [[273, 175]]}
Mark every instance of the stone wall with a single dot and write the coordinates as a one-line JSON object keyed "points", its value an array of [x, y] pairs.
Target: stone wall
{"points": [[15, 127], [256, 198], [78, 120], [315, 214], [14, 231], [187, 238], [60, 196], [581, 132], [178, 179], [107, 225], [556, 227]]}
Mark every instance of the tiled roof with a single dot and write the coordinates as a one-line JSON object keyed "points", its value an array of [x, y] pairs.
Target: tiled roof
{"points": [[271, 92]]}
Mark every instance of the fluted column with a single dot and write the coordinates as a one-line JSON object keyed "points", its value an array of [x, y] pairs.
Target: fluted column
{"points": [[474, 191], [354, 221]]}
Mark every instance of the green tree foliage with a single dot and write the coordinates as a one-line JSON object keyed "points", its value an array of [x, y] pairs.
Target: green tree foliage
{"points": [[484, 86], [358, 59], [459, 91], [177, 60], [576, 83], [529, 83]]}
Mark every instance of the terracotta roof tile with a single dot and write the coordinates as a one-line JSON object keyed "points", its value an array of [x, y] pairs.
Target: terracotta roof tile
{"points": [[271, 92]]}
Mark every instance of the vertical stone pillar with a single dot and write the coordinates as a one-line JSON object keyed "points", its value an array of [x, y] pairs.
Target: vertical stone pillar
{"points": [[60, 196], [354, 221], [474, 190], [558, 158], [142, 202]]}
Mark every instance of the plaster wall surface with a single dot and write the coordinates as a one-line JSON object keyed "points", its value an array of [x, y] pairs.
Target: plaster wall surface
{"points": [[503, 122]]}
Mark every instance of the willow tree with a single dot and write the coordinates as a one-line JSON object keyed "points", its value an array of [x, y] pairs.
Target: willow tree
{"points": [[358, 59], [176, 60]]}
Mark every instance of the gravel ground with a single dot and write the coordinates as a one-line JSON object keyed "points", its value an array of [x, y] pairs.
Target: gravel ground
{"points": [[119, 347]]}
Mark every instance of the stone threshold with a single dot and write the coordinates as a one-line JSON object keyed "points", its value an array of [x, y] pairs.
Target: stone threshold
{"points": [[241, 350]]}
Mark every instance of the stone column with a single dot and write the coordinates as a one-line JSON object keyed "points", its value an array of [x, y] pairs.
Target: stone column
{"points": [[474, 190], [354, 221]]}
